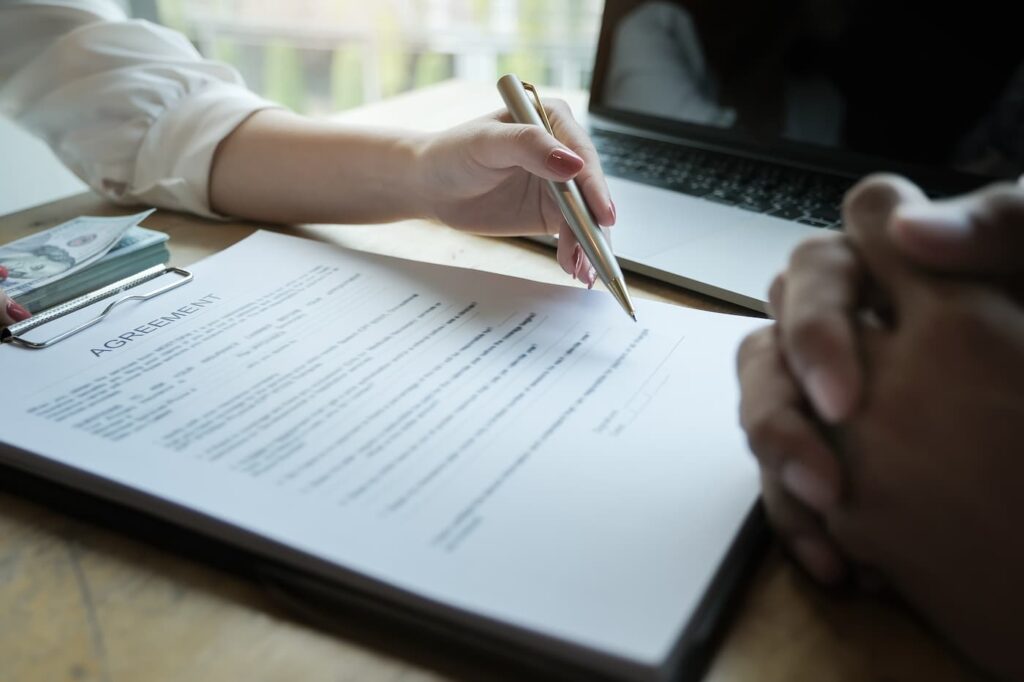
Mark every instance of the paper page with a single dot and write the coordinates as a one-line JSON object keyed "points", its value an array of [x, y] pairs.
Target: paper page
{"points": [[521, 451]]}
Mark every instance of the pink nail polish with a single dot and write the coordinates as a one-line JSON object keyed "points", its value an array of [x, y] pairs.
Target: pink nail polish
{"points": [[564, 162], [3, 273], [16, 312], [578, 264], [615, 215], [591, 277]]}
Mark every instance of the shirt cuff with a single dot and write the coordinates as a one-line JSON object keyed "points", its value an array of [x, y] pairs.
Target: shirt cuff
{"points": [[173, 166]]}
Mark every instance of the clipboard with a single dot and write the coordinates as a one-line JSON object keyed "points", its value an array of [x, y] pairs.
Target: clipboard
{"points": [[320, 589], [334, 608], [14, 333]]}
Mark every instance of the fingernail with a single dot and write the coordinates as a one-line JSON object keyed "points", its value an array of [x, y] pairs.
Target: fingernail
{"points": [[564, 162], [807, 486], [820, 561], [591, 277], [615, 215], [827, 394], [948, 221], [3, 273], [16, 312]]}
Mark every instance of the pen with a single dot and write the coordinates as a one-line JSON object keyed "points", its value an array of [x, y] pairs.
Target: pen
{"points": [[567, 194]]}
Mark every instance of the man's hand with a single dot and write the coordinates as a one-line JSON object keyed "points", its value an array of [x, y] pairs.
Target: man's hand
{"points": [[934, 453], [930, 447], [817, 301], [979, 236], [800, 475]]}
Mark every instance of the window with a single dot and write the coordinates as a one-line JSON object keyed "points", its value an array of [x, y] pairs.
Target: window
{"points": [[318, 56]]}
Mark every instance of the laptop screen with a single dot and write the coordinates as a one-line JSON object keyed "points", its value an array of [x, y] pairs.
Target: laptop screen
{"points": [[916, 84]]}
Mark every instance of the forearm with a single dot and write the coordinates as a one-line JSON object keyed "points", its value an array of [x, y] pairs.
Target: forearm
{"points": [[281, 167]]}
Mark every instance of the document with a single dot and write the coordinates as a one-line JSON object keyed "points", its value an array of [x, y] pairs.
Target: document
{"points": [[515, 455]]}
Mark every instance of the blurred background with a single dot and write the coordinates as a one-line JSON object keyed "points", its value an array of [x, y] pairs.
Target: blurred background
{"points": [[322, 56], [318, 56]]}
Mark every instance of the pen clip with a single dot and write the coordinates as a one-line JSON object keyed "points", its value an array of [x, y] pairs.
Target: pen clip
{"points": [[540, 107]]}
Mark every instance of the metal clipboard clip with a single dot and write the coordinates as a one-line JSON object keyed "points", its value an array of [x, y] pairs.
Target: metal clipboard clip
{"points": [[12, 334]]}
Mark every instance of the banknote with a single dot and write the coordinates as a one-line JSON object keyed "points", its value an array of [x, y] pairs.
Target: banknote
{"points": [[138, 249], [52, 255]]}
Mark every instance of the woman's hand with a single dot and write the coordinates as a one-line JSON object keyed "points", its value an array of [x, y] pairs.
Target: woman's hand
{"points": [[485, 176], [10, 312], [488, 176]]}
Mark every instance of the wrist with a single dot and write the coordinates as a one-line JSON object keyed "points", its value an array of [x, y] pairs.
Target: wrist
{"points": [[378, 176], [416, 182], [281, 167]]}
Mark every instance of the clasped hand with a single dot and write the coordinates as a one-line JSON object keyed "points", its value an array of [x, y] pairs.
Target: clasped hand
{"points": [[886, 406]]}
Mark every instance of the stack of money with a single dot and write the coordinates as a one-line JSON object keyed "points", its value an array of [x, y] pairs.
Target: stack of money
{"points": [[79, 256]]}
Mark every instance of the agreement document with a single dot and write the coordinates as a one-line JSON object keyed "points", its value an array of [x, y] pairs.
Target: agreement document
{"points": [[517, 456]]}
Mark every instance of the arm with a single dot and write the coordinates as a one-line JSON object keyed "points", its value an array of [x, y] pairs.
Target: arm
{"points": [[481, 176], [138, 114], [128, 106]]}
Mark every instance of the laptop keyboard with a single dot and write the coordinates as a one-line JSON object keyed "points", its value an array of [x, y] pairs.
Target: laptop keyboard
{"points": [[762, 187]]}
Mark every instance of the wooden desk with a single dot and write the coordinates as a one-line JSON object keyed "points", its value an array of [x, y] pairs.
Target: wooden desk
{"points": [[78, 602]]}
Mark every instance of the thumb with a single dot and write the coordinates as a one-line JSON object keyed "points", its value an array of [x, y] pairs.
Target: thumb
{"points": [[531, 148], [981, 233]]}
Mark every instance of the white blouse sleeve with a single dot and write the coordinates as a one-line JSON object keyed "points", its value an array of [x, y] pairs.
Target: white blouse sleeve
{"points": [[128, 106]]}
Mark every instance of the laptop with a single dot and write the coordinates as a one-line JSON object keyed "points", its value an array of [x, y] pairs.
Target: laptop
{"points": [[730, 130]]}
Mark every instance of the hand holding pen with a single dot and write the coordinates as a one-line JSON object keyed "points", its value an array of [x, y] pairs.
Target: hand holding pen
{"points": [[577, 212], [489, 175]]}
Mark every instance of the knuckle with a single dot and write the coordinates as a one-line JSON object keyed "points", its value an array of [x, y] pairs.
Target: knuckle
{"points": [[530, 136], [833, 255], [1000, 206], [588, 151], [873, 198], [768, 435], [811, 251], [558, 105], [753, 345], [809, 330]]}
